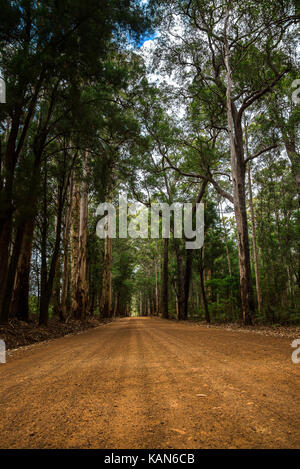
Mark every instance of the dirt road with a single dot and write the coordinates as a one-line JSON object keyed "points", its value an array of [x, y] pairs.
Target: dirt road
{"points": [[150, 383]]}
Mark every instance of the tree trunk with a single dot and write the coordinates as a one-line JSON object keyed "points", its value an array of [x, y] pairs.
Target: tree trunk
{"points": [[56, 297], [20, 300], [7, 209], [11, 274], [203, 292], [66, 268], [140, 304], [255, 250], [180, 283], [187, 280], [116, 305], [48, 287], [294, 157], [239, 196], [75, 217], [12, 153], [165, 280], [189, 255], [82, 288], [5, 237], [43, 318], [156, 309], [226, 241], [106, 295], [48, 279]]}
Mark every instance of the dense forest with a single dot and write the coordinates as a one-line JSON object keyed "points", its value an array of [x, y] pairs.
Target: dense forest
{"points": [[185, 101]]}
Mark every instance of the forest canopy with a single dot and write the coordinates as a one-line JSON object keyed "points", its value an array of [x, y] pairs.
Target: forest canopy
{"points": [[187, 101]]}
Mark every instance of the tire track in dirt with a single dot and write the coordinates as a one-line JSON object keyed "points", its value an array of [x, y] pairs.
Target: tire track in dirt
{"points": [[193, 415], [143, 383], [64, 394], [274, 427]]}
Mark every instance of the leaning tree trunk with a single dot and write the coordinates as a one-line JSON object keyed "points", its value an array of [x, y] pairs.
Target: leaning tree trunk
{"points": [[20, 300], [17, 295], [5, 238], [6, 210], [9, 165], [20, 296], [12, 270]]}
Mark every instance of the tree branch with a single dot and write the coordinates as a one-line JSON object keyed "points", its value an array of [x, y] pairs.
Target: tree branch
{"points": [[260, 152], [258, 94]]}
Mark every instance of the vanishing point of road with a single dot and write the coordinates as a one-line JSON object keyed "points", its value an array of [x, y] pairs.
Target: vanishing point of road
{"points": [[151, 383]]}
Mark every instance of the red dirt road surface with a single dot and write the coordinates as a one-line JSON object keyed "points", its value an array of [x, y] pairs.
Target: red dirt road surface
{"points": [[150, 383]]}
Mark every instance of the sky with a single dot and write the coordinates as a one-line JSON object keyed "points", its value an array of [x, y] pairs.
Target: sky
{"points": [[147, 38]]}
